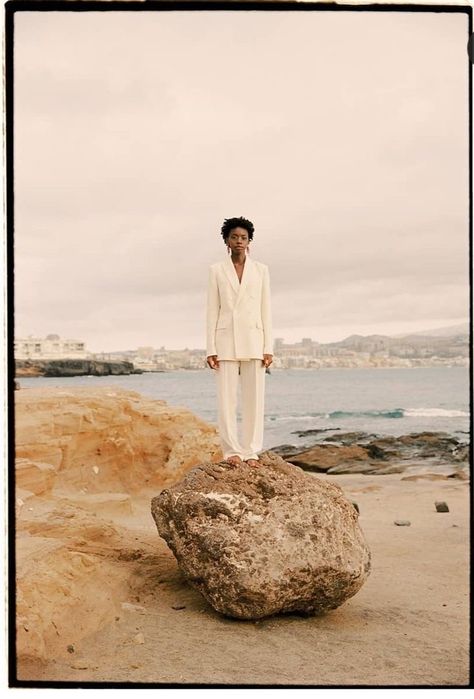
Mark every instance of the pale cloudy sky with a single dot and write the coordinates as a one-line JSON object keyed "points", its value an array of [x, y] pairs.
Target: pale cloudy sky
{"points": [[342, 135]]}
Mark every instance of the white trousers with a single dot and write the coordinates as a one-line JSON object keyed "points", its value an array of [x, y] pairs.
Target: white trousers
{"points": [[252, 390]]}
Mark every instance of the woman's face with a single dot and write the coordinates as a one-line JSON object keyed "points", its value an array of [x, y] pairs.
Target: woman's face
{"points": [[238, 239]]}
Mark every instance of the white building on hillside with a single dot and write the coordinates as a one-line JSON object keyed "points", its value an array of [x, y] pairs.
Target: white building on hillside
{"points": [[49, 347]]}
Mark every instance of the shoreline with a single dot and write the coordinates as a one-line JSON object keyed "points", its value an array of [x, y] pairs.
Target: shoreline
{"points": [[430, 450]]}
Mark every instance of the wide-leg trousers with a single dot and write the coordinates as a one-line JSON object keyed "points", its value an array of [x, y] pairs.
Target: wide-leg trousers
{"points": [[252, 391]]}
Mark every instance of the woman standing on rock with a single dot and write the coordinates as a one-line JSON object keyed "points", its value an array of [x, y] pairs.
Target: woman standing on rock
{"points": [[239, 340]]}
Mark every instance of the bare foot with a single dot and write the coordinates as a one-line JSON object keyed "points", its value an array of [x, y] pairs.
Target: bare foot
{"points": [[252, 462], [234, 459]]}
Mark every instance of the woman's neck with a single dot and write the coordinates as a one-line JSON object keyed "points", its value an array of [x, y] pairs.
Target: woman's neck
{"points": [[238, 259]]}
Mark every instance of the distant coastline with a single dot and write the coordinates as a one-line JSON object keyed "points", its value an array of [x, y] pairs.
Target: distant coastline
{"points": [[440, 347], [29, 368], [72, 367]]}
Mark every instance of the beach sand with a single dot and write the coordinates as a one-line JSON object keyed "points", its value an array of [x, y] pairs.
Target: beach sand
{"points": [[408, 625]]}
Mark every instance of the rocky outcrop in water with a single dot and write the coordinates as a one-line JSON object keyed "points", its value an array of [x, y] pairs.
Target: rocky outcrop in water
{"points": [[72, 367], [361, 452], [257, 542]]}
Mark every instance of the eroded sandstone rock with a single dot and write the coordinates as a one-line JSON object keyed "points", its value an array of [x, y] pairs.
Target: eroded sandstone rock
{"points": [[84, 458], [68, 580], [35, 476], [102, 439], [258, 541]]}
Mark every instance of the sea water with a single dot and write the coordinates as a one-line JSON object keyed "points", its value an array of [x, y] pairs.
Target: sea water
{"points": [[390, 401]]}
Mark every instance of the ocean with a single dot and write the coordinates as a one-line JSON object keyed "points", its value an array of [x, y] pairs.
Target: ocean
{"points": [[384, 401]]}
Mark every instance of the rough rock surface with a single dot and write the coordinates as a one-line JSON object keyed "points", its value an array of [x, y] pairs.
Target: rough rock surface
{"points": [[68, 578], [361, 452], [82, 456], [259, 541], [104, 439]]}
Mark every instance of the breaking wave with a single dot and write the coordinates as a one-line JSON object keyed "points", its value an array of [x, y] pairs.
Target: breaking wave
{"points": [[392, 413]]}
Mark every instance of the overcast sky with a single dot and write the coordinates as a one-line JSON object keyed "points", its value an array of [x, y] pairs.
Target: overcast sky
{"points": [[343, 136]]}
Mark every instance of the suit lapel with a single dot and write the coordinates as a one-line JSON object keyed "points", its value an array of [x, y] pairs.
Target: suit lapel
{"points": [[231, 274], [233, 278]]}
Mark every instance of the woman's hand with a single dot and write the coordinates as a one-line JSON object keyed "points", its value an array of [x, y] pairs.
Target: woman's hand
{"points": [[267, 360], [212, 361]]}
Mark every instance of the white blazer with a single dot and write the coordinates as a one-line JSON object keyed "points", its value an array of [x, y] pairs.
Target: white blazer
{"points": [[239, 323]]}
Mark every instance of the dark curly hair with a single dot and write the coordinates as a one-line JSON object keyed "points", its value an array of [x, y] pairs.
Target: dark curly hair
{"points": [[240, 222]]}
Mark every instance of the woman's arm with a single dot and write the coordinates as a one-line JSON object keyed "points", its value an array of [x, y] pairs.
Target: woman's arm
{"points": [[213, 303], [267, 314]]}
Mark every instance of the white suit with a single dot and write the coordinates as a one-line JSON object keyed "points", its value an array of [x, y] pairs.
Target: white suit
{"points": [[239, 332], [239, 322]]}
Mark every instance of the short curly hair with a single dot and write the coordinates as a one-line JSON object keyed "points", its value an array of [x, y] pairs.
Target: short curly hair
{"points": [[239, 222]]}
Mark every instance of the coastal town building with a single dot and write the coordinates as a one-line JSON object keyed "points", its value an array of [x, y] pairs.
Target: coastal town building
{"points": [[50, 347]]}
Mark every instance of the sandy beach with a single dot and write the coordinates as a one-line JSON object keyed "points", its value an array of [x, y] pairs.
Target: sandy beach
{"points": [[408, 625]]}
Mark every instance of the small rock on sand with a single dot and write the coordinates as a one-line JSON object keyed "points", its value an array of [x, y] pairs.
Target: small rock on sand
{"points": [[441, 506]]}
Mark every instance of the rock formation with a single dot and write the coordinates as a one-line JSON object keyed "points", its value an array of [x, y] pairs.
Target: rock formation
{"points": [[258, 541], [105, 439], [360, 452], [84, 457], [73, 367], [69, 579]]}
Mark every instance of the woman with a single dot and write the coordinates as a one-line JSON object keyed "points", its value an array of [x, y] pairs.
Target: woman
{"points": [[239, 340]]}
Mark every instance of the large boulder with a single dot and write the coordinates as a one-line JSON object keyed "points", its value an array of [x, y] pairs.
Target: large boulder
{"points": [[259, 541]]}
